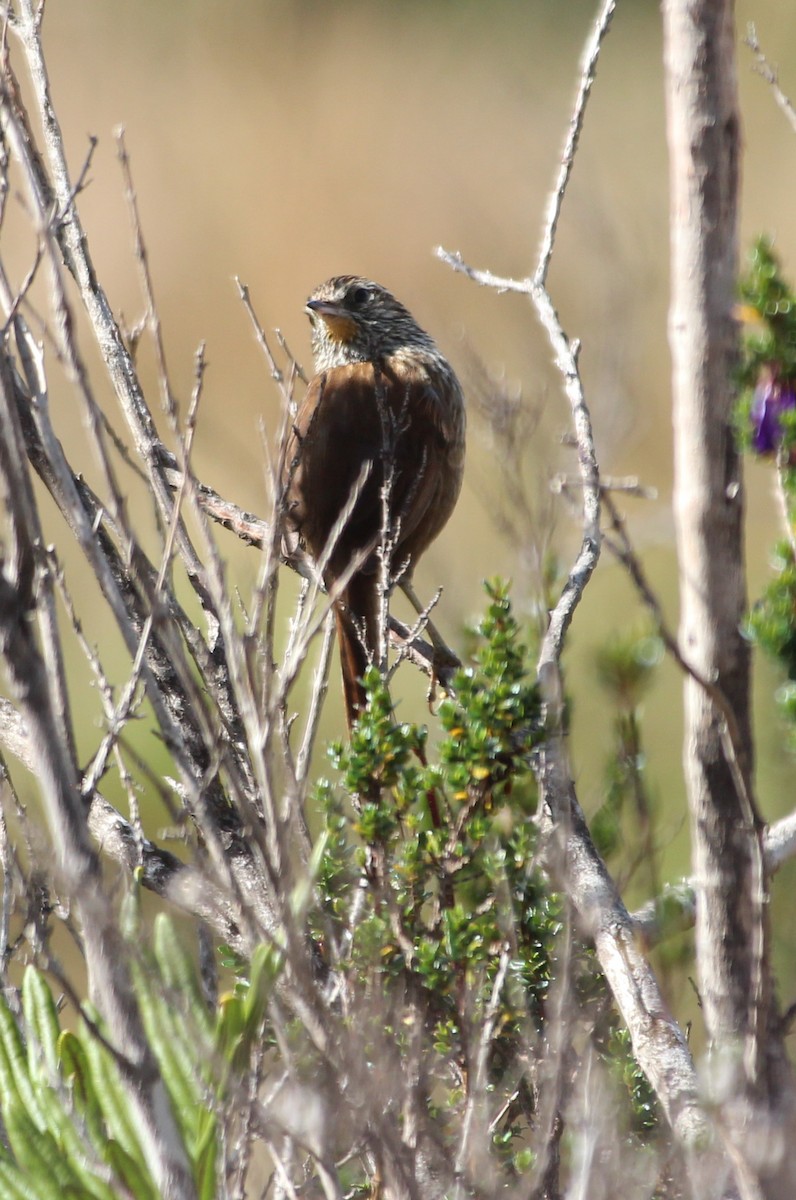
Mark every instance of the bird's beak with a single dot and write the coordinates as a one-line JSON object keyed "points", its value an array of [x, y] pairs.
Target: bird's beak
{"points": [[323, 308], [340, 324]]}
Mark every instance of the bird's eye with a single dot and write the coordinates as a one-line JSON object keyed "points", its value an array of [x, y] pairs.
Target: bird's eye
{"points": [[359, 296]]}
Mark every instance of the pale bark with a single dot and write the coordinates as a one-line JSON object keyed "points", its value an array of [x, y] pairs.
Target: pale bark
{"points": [[754, 1088]]}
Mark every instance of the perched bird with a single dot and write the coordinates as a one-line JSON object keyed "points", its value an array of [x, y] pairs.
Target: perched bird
{"points": [[383, 397]]}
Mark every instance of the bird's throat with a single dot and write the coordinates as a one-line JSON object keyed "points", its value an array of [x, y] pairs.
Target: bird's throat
{"points": [[341, 328]]}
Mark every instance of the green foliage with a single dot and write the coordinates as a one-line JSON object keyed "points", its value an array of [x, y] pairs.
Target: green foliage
{"points": [[772, 622], [772, 625], [766, 374], [618, 1053], [626, 666], [60, 1109], [770, 334], [64, 1105], [494, 722], [241, 1021], [767, 418], [438, 861]]}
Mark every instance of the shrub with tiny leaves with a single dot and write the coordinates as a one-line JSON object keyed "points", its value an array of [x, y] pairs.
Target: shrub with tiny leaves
{"points": [[429, 889]]}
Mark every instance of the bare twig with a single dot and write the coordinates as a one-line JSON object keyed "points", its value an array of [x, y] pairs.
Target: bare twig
{"points": [[478, 1081], [320, 685], [588, 72], [770, 75]]}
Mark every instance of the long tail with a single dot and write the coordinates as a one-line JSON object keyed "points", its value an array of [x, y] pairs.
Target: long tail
{"points": [[357, 613]]}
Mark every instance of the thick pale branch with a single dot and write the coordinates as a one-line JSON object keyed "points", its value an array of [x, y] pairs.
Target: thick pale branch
{"points": [[732, 912]]}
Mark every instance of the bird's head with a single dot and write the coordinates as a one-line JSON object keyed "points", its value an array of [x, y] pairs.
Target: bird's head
{"points": [[357, 320]]}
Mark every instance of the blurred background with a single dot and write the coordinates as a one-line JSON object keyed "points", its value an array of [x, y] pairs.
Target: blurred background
{"points": [[288, 140]]}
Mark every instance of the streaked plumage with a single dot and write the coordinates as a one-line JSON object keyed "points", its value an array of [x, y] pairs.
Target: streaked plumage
{"points": [[339, 426]]}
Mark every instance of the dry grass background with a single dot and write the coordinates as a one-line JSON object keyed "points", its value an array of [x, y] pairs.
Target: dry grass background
{"points": [[287, 140]]}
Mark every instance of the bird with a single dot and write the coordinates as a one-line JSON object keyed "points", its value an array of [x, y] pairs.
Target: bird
{"points": [[383, 403]]}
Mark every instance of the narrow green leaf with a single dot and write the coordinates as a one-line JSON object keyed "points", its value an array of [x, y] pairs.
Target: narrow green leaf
{"points": [[16, 1184], [38, 1154], [133, 1175], [77, 1153], [76, 1072], [206, 1159], [229, 1026], [179, 972], [14, 1069], [41, 1017], [177, 1065], [111, 1096]]}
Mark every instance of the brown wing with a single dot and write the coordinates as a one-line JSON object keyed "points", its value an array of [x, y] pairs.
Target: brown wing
{"points": [[337, 430], [429, 470]]}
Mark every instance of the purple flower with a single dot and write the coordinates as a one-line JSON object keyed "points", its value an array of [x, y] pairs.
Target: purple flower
{"points": [[771, 398]]}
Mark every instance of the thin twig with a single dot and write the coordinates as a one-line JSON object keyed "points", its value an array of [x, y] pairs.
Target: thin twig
{"points": [[319, 688], [555, 200], [770, 75], [478, 1081]]}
